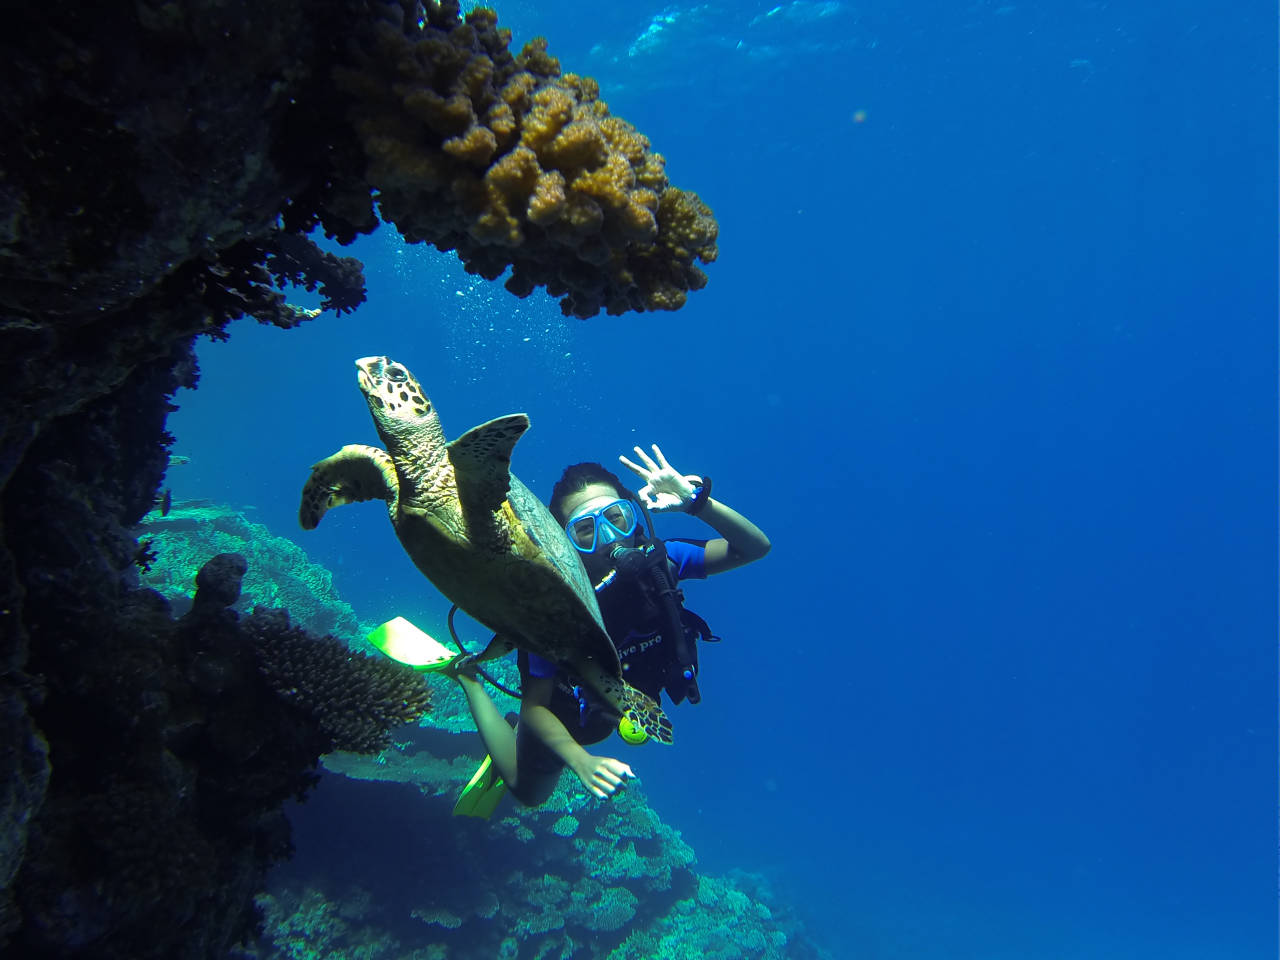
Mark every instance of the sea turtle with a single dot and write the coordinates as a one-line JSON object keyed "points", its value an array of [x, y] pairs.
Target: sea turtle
{"points": [[477, 533]]}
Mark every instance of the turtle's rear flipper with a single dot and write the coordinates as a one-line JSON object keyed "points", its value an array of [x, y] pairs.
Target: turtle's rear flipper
{"points": [[645, 713], [481, 460], [353, 474]]}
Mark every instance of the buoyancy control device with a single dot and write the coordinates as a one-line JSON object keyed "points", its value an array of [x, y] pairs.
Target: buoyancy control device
{"points": [[640, 595]]}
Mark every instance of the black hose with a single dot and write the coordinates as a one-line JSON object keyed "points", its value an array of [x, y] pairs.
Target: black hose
{"points": [[484, 673]]}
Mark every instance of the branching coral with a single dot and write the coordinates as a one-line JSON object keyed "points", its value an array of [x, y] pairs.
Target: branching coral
{"points": [[566, 826], [634, 844], [281, 574], [240, 280], [307, 925], [720, 922], [479, 891], [597, 907], [356, 699], [517, 166], [293, 259]]}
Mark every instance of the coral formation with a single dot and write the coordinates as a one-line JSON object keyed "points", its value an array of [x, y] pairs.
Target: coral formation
{"points": [[433, 775], [309, 926], [356, 699], [172, 754], [502, 894], [566, 826], [516, 165], [279, 573], [726, 919], [573, 875]]}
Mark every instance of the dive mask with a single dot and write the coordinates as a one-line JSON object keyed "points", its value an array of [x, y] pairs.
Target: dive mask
{"points": [[604, 525]]}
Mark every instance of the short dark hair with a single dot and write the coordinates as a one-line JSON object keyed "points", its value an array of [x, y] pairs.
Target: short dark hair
{"points": [[579, 477]]}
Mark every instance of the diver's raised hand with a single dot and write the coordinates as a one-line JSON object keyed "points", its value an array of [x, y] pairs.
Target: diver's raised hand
{"points": [[602, 775], [665, 488]]}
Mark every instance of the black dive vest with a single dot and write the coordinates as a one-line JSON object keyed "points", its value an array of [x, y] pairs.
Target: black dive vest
{"points": [[643, 609], [644, 612]]}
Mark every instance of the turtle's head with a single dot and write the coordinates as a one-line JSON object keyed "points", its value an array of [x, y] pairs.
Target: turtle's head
{"points": [[395, 397]]}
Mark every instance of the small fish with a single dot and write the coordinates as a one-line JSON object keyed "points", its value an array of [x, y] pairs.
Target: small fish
{"points": [[166, 502], [177, 459]]}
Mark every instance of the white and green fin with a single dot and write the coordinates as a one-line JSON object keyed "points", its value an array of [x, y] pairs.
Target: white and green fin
{"points": [[481, 460], [352, 475], [481, 794], [401, 640]]}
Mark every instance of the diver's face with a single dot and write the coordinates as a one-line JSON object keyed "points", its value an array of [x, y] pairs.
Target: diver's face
{"points": [[599, 520]]}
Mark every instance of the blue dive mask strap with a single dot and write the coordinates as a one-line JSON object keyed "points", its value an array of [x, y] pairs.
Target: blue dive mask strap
{"points": [[648, 517]]}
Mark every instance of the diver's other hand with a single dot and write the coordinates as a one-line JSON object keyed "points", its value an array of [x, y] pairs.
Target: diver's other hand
{"points": [[665, 488], [603, 775]]}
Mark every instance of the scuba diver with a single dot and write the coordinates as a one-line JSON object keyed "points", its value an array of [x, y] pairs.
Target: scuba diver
{"points": [[636, 578]]}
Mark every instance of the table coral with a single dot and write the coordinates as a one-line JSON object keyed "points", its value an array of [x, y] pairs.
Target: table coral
{"points": [[516, 165], [432, 775], [279, 574]]}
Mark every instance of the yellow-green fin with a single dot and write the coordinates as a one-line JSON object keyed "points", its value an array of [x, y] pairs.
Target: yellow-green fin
{"points": [[401, 640], [481, 794]]}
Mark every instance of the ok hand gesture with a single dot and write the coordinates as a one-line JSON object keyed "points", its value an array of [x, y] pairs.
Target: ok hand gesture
{"points": [[665, 488]]}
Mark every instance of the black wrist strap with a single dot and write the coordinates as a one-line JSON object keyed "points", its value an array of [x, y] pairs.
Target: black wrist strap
{"points": [[701, 494]]}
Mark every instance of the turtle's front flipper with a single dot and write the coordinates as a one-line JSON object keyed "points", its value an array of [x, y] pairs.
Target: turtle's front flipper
{"points": [[481, 460], [353, 474]]}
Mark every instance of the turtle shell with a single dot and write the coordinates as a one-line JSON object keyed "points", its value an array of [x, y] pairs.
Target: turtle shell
{"points": [[541, 528]]}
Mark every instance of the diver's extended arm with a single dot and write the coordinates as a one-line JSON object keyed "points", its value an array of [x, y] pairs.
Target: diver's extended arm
{"points": [[740, 540], [600, 775]]}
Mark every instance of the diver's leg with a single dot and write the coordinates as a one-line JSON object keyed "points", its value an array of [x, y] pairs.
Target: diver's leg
{"points": [[531, 779], [539, 769], [499, 739]]}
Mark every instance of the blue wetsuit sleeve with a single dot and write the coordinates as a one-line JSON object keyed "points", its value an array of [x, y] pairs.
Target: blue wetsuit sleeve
{"points": [[538, 667], [689, 558]]}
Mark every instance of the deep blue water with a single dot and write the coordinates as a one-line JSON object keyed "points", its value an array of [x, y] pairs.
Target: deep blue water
{"points": [[996, 371]]}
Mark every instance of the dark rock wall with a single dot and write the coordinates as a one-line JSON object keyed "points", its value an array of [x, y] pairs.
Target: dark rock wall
{"points": [[161, 164], [138, 203]]}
